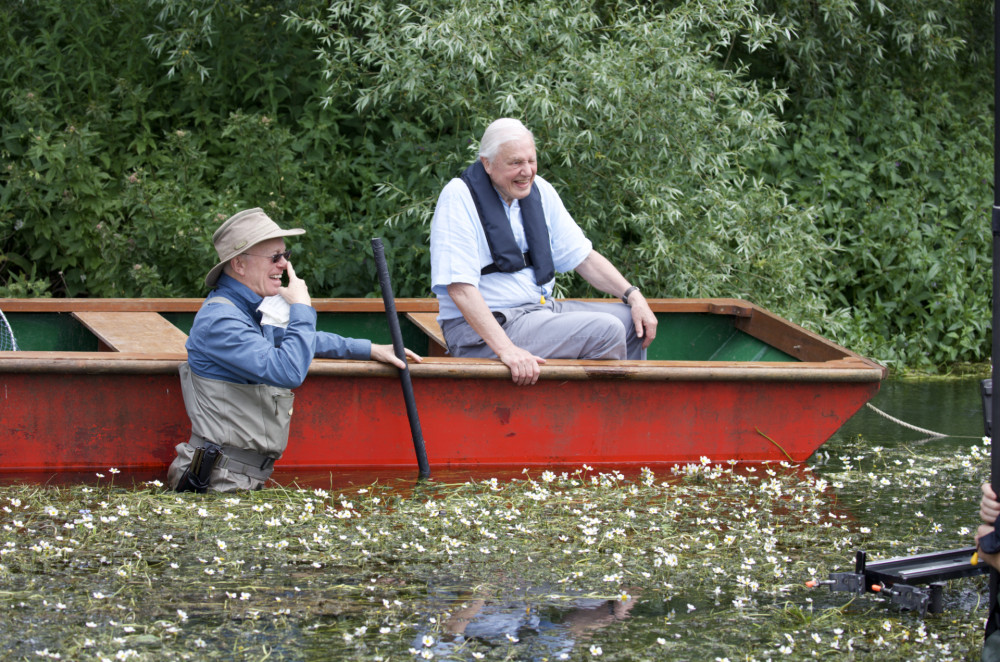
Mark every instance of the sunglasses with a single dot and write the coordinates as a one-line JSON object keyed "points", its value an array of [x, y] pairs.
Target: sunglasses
{"points": [[276, 257]]}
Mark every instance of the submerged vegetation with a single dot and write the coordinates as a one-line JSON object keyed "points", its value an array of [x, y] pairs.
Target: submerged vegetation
{"points": [[703, 562]]}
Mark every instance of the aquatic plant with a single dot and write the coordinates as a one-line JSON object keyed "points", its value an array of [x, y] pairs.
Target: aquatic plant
{"points": [[702, 561]]}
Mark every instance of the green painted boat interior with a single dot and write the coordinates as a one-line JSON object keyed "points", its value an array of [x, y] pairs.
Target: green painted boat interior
{"points": [[50, 332], [679, 337]]}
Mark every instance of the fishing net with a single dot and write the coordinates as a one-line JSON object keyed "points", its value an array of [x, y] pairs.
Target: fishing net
{"points": [[7, 341]]}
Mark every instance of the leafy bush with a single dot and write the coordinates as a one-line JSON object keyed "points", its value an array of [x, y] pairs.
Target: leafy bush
{"points": [[828, 160], [888, 139], [900, 189], [639, 128]]}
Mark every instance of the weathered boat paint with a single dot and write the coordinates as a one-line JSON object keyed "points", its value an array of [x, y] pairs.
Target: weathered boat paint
{"points": [[91, 410]]}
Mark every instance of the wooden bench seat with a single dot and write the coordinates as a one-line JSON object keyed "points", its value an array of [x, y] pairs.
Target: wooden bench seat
{"points": [[427, 322], [140, 332]]}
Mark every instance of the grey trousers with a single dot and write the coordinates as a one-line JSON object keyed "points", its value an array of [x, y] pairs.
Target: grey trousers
{"points": [[555, 330]]}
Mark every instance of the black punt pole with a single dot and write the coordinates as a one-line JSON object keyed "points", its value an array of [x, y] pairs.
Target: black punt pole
{"points": [[397, 347]]}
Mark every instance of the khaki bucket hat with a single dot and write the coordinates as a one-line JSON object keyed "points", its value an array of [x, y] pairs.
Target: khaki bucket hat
{"points": [[240, 232]]}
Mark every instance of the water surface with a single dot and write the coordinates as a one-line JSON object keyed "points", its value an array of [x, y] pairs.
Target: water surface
{"points": [[700, 563], [948, 406]]}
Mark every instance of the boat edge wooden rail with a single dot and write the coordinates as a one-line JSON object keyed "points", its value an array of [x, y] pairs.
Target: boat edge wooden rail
{"points": [[846, 369], [818, 357]]}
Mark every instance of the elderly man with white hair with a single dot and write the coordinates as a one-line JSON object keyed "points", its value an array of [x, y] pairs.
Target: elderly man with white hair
{"points": [[499, 235]]}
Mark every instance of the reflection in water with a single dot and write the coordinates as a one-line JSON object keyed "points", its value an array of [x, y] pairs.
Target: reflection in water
{"points": [[541, 630], [952, 407]]}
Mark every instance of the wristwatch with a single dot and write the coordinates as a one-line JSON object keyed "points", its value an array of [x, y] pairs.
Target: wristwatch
{"points": [[628, 292]]}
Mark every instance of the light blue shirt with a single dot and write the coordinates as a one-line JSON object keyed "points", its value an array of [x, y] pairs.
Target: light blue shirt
{"points": [[228, 343], [459, 249]]}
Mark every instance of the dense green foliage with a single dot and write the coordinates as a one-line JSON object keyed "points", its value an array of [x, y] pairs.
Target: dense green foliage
{"points": [[888, 142], [827, 160]]}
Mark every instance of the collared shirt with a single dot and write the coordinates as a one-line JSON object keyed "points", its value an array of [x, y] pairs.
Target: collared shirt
{"points": [[459, 249], [228, 342]]}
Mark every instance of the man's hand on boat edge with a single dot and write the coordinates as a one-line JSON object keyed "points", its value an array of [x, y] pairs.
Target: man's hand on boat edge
{"points": [[524, 366], [386, 354]]}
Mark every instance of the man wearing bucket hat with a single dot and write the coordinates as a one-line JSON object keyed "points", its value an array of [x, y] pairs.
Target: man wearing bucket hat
{"points": [[251, 342]]}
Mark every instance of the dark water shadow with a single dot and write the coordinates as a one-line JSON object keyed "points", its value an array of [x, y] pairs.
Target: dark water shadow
{"points": [[543, 623], [952, 408]]}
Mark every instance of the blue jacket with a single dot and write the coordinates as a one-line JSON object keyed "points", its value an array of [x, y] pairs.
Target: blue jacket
{"points": [[228, 342]]}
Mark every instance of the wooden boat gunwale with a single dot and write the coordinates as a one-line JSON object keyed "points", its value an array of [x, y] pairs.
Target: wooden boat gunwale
{"points": [[819, 358]]}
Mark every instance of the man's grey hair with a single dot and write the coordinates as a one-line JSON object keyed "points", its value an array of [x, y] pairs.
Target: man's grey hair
{"points": [[499, 132]]}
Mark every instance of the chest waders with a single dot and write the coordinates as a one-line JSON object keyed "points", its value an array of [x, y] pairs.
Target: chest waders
{"points": [[238, 431]]}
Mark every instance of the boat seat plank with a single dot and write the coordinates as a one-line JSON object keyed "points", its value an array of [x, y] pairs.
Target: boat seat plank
{"points": [[427, 322], [144, 332]]}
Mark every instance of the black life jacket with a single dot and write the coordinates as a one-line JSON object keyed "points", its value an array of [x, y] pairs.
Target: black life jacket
{"points": [[507, 255]]}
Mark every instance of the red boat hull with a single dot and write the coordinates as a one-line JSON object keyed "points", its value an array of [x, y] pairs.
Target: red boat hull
{"points": [[99, 388], [75, 422]]}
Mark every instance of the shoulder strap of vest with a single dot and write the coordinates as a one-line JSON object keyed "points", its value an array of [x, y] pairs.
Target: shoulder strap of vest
{"points": [[506, 254], [219, 299], [266, 329]]}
